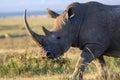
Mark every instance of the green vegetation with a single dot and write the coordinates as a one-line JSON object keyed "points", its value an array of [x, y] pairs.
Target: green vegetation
{"points": [[20, 57], [28, 65]]}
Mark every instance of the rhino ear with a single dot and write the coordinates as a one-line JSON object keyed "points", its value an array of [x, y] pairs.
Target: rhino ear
{"points": [[70, 13], [46, 31], [52, 13]]}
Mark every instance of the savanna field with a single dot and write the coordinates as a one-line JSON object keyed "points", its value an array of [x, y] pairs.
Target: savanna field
{"points": [[20, 58]]}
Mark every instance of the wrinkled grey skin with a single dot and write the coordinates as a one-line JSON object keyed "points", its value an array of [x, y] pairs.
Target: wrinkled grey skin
{"points": [[92, 26]]}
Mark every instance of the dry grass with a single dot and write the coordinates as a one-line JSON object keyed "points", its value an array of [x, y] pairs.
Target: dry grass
{"points": [[19, 42], [45, 77]]}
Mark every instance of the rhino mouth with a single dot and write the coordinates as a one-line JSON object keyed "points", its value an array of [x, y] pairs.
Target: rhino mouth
{"points": [[48, 54]]}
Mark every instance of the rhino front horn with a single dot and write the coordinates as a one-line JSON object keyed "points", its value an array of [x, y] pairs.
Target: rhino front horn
{"points": [[36, 37]]}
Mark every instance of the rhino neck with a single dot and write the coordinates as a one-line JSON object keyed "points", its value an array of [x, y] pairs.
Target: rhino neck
{"points": [[81, 16], [76, 40]]}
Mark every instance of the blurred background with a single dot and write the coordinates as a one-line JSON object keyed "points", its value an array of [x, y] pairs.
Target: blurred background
{"points": [[37, 7], [21, 59]]}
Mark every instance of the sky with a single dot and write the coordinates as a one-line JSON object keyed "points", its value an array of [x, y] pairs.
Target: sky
{"points": [[41, 5]]}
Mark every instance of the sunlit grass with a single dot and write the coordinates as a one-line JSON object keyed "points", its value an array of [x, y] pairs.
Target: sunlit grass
{"points": [[15, 26]]}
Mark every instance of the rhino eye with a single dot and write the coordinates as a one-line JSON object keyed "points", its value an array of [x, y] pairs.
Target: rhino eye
{"points": [[58, 38]]}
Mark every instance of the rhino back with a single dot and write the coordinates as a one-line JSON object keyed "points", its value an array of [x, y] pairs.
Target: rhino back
{"points": [[109, 26], [101, 25]]}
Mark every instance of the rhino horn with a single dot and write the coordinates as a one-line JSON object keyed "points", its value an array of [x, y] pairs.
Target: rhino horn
{"points": [[47, 32], [36, 37], [52, 13]]}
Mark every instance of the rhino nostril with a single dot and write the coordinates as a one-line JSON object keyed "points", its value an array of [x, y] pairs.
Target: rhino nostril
{"points": [[48, 53]]}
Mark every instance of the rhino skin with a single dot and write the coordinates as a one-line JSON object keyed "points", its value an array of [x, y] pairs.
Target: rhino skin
{"points": [[93, 27]]}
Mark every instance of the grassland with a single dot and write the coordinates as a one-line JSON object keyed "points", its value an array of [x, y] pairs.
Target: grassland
{"points": [[20, 58]]}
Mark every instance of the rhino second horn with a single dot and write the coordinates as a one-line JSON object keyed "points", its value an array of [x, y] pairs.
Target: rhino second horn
{"points": [[47, 32], [36, 37]]}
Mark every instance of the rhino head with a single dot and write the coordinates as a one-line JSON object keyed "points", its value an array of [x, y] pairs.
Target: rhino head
{"points": [[60, 38]]}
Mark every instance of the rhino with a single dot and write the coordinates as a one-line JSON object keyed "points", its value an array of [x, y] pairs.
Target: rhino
{"points": [[93, 27]]}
